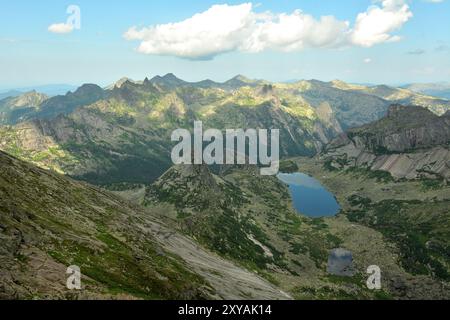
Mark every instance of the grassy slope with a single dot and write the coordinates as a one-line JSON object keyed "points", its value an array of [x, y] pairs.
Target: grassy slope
{"points": [[43, 214], [49, 222]]}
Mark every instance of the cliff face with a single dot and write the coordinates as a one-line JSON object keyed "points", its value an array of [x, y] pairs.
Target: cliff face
{"points": [[410, 142]]}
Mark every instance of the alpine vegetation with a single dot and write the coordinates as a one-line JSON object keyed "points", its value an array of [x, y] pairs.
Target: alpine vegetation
{"points": [[189, 151]]}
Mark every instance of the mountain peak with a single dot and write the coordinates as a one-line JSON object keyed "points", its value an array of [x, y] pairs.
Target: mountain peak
{"points": [[168, 80], [119, 83], [241, 78], [88, 88], [170, 76], [188, 184]]}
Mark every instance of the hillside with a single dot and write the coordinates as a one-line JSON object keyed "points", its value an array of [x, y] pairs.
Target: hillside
{"points": [[410, 142], [49, 222]]}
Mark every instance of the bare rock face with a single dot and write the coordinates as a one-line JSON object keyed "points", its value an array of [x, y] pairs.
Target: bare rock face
{"points": [[410, 142]]}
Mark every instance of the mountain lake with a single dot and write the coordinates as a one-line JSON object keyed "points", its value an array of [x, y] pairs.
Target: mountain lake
{"points": [[309, 196]]}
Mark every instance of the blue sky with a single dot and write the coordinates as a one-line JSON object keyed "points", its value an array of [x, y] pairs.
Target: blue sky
{"points": [[413, 47]]}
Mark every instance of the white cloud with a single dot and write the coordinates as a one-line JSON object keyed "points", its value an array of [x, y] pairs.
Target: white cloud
{"points": [[376, 24], [61, 28], [225, 28], [367, 60], [219, 29]]}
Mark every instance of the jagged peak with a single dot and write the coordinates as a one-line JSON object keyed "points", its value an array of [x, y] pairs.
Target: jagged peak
{"points": [[168, 79], [119, 83]]}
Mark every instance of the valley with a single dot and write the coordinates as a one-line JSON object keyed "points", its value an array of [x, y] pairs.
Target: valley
{"points": [[409, 215], [87, 179]]}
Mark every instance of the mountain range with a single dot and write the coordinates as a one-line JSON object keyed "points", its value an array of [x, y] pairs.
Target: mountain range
{"points": [[103, 135], [49, 89], [440, 89], [87, 179]]}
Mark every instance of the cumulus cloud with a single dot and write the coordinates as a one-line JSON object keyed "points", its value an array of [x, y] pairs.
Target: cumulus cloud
{"points": [[61, 28], [225, 28], [377, 24]]}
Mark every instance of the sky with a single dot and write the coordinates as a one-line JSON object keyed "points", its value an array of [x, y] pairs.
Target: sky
{"points": [[100, 41]]}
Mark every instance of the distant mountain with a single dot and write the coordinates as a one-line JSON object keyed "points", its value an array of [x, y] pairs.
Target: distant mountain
{"points": [[34, 105], [123, 133], [398, 96], [120, 82], [10, 93], [65, 104], [410, 142], [107, 136], [49, 89], [14, 109], [441, 89]]}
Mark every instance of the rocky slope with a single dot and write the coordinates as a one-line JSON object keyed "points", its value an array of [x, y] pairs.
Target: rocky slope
{"points": [[49, 222], [410, 142]]}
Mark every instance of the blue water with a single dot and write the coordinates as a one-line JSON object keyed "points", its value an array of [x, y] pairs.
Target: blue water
{"points": [[309, 196]]}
